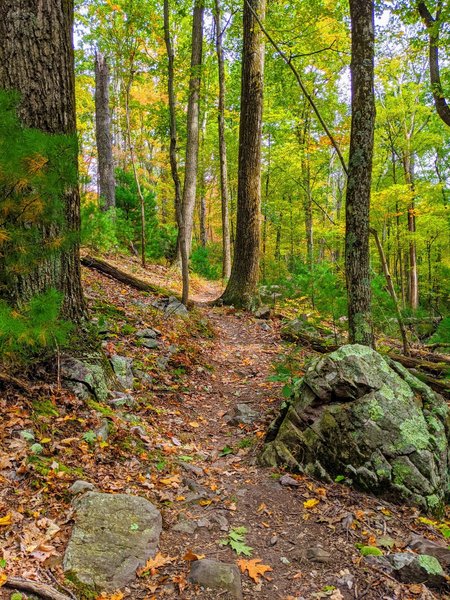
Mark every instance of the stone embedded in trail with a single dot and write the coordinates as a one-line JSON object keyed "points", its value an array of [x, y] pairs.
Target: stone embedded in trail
{"points": [[112, 537], [416, 568], [422, 545], [358, 415], [80, 487], [123, 368], [218, 576], [241, 414]]}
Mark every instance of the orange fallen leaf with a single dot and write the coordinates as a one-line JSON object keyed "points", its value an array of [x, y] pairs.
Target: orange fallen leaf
{"points": [[191, 556], [7, 520], [194, 424], [311, 503], [3, 579], [173, 481], [416, 589], [254, 568], [154, 563], [115, 596], [205, 502]]}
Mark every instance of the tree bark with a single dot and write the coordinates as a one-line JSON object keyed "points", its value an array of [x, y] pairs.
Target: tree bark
{"points": [[192, 144], [413, 279], [172, 120], [432, 24], [242, 285], [107, 184], [360, 173], [37, 60], [226, 244]]}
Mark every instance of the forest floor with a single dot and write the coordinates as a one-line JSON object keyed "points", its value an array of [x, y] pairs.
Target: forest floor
{"points": [[177, 449]]}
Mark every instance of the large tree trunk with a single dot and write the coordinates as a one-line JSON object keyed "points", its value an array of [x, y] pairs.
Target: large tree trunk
{"points": [[36, 59], [192, 143], [173, 121], [107, 184], [360, 173], [226, 245], [243, 282]]}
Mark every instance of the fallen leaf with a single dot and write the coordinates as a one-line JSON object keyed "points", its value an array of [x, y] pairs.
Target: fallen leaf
{"points": [[191, 556], [154, 563], [254, 568], [311, 503], [3, 579], [194, 424], [7, 520]]}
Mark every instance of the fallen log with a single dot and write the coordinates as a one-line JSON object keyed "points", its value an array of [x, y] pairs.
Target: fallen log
{"points": [[410, 362], [108, 269], [35, 587]]}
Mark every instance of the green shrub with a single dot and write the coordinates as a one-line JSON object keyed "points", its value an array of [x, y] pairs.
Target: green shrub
{"points": [[207, 261], [33, 328]]}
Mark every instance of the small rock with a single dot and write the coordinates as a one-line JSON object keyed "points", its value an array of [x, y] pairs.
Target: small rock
{"points": [[289, 481], [241, 414], [273, 540], [102, 432], [413, 568], [121, 399], [175, 307], [143, 376], [185, 526], [217, 575], [422, 545], [318, 554], [263, 312], [204, 523], [150, 343], [285, 560], [147, 333], [265, 326], [194, 469], [80, 487]]}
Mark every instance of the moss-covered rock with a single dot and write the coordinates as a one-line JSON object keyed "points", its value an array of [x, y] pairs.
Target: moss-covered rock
{"points": [[114, 534], [359, 415]]}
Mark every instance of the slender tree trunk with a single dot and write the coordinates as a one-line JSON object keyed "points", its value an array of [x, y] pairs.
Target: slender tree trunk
{"points": [[265, 204], [193, 118], [226, 245], [202, 190], [432, 24], [135, 172], [173, 123], [413, 281], [37, 60], [360, 173], [242, 285], [105, 161], [391, 289]]}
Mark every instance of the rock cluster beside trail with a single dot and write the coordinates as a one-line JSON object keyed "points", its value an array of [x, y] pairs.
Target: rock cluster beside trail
{"points": [[362, 417], [114, 534]]}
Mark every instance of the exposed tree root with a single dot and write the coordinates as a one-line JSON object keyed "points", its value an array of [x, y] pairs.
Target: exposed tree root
{"points": [[35, 587]]}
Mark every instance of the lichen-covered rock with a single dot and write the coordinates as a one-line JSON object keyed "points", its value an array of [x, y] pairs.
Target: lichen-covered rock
{"points": [[112, 537], [86, 380], [359, 415], [123, 368]]}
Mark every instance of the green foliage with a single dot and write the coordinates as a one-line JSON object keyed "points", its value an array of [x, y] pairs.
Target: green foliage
{"points": [[236, 541], [369, 550], [442, 334], [33, 328], [36, 170], [98, 228], [206, 261]]}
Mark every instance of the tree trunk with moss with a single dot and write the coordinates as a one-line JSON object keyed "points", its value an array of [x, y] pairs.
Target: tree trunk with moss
{"points": [[37, 60], [242, 285], [360, 173]]}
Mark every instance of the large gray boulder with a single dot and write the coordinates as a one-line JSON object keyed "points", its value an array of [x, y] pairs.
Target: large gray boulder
{"points": [[359, 415], [112, 537], [217, 576]]}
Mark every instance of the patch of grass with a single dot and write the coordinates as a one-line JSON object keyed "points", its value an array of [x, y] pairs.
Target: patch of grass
{"points": [[103, 409], [44, 407]]}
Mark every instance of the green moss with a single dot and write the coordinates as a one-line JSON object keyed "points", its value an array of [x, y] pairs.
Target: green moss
{"points": [[400, 472], [104, 410], [45, 408], [430, 564], [375, 411], [414, 432], [85, 592]]}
